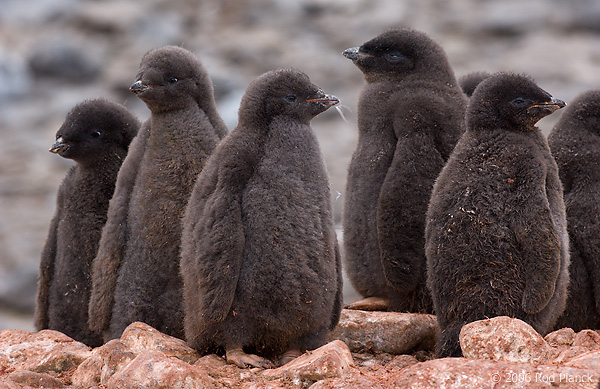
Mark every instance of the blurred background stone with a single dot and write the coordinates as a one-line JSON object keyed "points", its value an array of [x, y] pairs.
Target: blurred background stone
{"points": [[54, 54]]}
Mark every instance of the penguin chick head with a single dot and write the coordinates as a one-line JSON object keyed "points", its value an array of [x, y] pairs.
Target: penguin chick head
{"points": [[284, 92], [509, 101], [170, 78], [584, 111], [400, 54], [469, 82], [94, 128]]}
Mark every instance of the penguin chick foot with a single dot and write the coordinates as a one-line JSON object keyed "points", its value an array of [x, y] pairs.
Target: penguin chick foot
{"points": [[238, 357], [370, 304], [289, 356]]}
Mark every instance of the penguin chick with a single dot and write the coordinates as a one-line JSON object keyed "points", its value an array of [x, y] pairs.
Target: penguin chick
{"points": [[136, 272], [410, 116], [575, 144], [496, 238], [469, 81], [260, 261], [96, 135]]}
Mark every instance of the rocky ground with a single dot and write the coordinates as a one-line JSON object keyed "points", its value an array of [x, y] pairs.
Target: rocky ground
{"points": [[367, 350]]}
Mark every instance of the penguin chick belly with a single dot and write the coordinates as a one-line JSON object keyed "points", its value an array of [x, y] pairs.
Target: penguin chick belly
{"points": [[288, 269]]}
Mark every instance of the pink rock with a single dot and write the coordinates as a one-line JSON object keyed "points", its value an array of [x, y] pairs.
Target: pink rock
{"points": [[7, 383], [26, 378], [470, 373], [355, 382], [503, 339], [331, 360], [139, 337], [401, 362], [387, 332], [156, 370], [590, 360], [40, 352], [562, 337], [568, 353], [217, 367], [88, 372], [588, 339], [265, 385], [103, 364]]}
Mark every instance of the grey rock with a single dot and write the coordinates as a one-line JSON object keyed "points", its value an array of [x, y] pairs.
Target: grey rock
{"points": [[387, 332], [66, 60], [35, 11], [17, 289], [15, 78], [159, 29]]}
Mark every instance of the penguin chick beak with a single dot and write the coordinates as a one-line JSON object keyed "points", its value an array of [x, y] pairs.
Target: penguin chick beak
{"points": [[59, 146], [138, 87], [325, 100], [354, 54], [546, 108]]}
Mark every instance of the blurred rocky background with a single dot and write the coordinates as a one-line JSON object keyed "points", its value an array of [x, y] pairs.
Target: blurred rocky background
{"points": [[56, 53]]}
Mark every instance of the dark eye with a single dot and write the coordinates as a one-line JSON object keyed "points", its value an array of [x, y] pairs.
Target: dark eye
{"points": [[96, 134], [519, 102], [394, 56], [172, 80], [290, 98]]}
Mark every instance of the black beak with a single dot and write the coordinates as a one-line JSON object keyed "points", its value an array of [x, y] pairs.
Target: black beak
{"points": [[59, 146], [351, 53], [138, 87], [547, 107], [325, 100], [354, 54]]}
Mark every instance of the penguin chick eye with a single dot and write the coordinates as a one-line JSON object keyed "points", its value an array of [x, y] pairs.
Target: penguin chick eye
{"points": [[519, 102], [394, 56], [96, 134], [290, 98], [172, 80]]}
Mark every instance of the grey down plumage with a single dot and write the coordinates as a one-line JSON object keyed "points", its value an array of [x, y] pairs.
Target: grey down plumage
{"points": [[496, 235], [95, 134], [260, 260], [136, 272], [410, 116]]}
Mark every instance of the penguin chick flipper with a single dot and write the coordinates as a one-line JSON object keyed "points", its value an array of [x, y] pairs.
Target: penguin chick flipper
{"points": [[339, 296], [585, 240], [404, 196], [212, 243], [238, 357], [373, 303], [543, 246]]}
